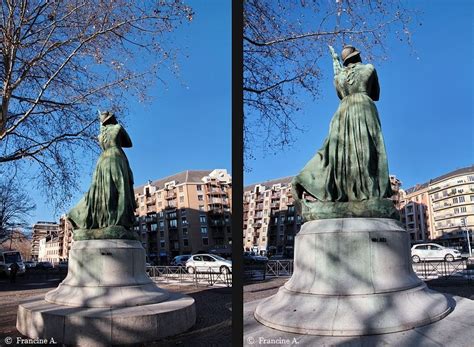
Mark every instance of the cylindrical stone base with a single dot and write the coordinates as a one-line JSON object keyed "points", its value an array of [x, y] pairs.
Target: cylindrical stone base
{"points": [[106, 273], [352, 276], [106, 299]]}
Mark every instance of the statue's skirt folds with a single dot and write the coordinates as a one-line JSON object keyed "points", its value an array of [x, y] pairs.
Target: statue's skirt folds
{"points": [[110, 200], [352, 164]]}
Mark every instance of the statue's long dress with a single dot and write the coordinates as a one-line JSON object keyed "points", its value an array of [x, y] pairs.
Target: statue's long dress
{"points": [[352, 163], [110, 200]]}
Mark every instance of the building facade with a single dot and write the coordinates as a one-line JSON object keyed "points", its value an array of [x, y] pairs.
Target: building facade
{"points": [[41, 230], [65, 236], [185, 213], [451, 209], [50, 249], [269, 217], [414, 212], [441, 209]]}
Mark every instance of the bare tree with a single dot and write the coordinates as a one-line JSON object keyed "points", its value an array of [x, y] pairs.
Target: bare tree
{"points": [[62, 61], [284, 41], [15, 209]]}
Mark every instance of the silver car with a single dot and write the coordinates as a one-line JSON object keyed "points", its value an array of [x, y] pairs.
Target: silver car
{"points": [[208, 263], [433, 251]]}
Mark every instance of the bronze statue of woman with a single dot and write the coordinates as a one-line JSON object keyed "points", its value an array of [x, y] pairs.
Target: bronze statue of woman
{"points": [[348, 176], [107, 210]]}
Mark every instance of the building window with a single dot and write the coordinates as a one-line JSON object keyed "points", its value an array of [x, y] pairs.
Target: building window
{"points": [[203, 230], [455, 200], [205, 241], [162, 244], [461, 199], [456, 210], [181, 189], [184, 221], [161, 224], [153, 227], [181, 199], [185, 242], [162, 233], [472, 197], [199, 188], [160, 204], [202, 219], [173, 223], [159, 195], [463, 209], [185, 231]]}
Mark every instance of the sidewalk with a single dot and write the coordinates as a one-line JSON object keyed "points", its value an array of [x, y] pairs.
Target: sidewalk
{"points": [[213, 308]]}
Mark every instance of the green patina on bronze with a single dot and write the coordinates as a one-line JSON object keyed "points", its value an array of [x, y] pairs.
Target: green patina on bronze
{"points": [[348, 176], [107, 210]]}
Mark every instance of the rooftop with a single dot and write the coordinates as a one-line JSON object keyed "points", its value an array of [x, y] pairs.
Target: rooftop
{"points": [[270, 183], [188, 176]]}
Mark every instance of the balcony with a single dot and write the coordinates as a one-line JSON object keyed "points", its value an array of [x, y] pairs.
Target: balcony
{"points": [[150, 200], [214, 191], [217, 223], [170, 195]]}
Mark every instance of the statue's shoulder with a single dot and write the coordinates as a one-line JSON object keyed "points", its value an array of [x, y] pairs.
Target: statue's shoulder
{"points": [[369, 67]]}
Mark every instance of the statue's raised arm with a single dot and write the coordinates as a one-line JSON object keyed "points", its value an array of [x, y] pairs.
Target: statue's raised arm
{"points": [[336, 63]]}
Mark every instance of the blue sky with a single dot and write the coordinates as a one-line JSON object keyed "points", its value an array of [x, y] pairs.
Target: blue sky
{"points": [[426, 102], [187, 124]]}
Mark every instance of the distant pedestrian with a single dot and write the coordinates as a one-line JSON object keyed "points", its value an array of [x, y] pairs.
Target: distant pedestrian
{"points": [[13, 271]]}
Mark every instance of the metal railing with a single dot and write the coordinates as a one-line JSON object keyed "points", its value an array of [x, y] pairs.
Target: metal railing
{"points": [[461, 269], [179, 274]]}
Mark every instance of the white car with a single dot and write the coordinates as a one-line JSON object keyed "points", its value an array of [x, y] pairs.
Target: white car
{"points": [[208, 263], [432, 251]]}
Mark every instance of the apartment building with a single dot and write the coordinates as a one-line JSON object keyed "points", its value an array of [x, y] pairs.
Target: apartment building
{"points": [[441, 209], [270, 219], [41, 230], [451, 208], [65, 236], [185, 213], [413, 207], [50, 249]]}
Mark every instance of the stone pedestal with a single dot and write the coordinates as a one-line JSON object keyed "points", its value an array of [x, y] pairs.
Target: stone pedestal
{"points": [[106, 298], [352, 276]]}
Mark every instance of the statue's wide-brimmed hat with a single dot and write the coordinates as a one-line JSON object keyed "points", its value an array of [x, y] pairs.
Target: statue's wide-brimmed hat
{"points": [[105, 116], [348, 52]]}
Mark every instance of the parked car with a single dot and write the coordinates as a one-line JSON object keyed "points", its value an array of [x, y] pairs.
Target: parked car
{"points": [[44, 265], [432, 251], [208, 262], [7, 258], [252, 258], [29, 264], [62, 265], [180, 260]]}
